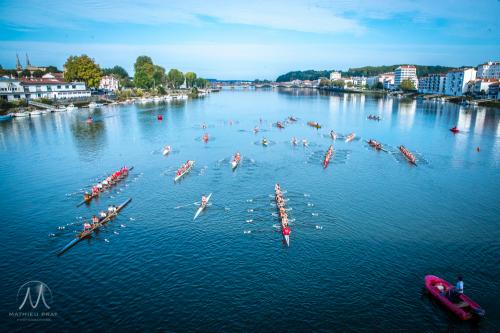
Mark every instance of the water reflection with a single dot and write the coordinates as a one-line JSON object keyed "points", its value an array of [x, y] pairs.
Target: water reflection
{"points": [[89, 139]]}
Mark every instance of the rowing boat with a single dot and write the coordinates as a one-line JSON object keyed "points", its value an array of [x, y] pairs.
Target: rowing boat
{"points": [[88, 232], [375, 144], [314, 124], [409, 156], [285, 229], [328, 155], [236, 161], [166, 150], [350, 137], [190, 166], [279, 124], [205, 137], [87, 199], [202, 207], [265, 142], [333, 135]]}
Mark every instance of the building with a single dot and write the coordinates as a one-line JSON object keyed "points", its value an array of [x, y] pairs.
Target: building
{"points": [[481, 87], [359, 81], [11, 89], [405, 72], [457, 79], [432, 84], [29, 67], [54, 89], [489, 70], [335, 76], [494, 91], [109, 83], [386, 79]]}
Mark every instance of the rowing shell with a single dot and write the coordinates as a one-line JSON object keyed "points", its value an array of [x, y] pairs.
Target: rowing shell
{"points": [[202, 207], [235, 163], [191, 163], [86, 233], [111, 184]]}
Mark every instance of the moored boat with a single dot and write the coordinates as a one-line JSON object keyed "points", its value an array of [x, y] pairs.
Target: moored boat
{"points": [[235, 161], [71, 107], [95, 226], [409, 156], [203, 205], [21, 114], [328, 156], [35, 113], [350, 137], [463, 307], [183, 170], [6, 117]]}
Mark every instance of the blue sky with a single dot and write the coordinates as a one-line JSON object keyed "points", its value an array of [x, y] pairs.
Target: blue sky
{"points": [[251, 39]]}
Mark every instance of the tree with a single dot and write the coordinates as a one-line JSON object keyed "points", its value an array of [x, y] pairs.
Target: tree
{"points": [[144, 69], [339, 83], [82, 68], [37, 73], [407, 85], [159, 76], [190, 79], [379, 85], [324, 82], [118, 71], [51, 69], [175, 78], [25, 73], [202, 83]]}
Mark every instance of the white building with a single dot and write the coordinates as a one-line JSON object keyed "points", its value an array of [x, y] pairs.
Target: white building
{"points": [[489, 70], [359, 81], [11, 89], [405, 72], [457, 79], [109, 83], [432, 84], [335, 75], [482, 86], [387, 80], [54, 89]]}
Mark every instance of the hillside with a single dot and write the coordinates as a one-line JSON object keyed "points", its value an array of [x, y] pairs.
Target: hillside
{"points": [[360, 71]]}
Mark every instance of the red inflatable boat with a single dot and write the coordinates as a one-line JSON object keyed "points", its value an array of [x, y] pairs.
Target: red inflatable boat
{"points": [[465, 309], [454, 129]]}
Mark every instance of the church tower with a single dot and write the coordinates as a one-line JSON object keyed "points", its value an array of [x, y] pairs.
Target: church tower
{"points": [[18, 64]]}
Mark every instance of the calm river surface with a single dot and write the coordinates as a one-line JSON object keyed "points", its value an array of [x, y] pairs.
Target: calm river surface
{"points": [[365, 231]]}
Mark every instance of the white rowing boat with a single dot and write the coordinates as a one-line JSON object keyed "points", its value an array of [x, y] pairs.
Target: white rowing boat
{"points": [[202, 207]]}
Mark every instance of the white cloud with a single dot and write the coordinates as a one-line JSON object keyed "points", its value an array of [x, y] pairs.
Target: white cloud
{"points": [[244, 60], [287, 15]]}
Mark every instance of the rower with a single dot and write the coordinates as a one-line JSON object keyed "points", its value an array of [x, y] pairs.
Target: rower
{"points": [[110, 209], [99, 186], [454, 293], [203, 200], [102, 214], [86, 226], [95, 219]]}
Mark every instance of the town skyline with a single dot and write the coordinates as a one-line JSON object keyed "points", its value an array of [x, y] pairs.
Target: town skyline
{"points": [[248, 41]]}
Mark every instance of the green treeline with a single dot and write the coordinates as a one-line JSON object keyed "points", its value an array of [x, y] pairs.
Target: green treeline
{"points": [[360, 71]]}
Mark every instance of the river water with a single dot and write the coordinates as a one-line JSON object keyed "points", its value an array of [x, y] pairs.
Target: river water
{"points": [[365, 230]]}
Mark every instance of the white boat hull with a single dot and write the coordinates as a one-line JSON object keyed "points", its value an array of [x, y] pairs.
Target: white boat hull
{"points": [[198, 212]]}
